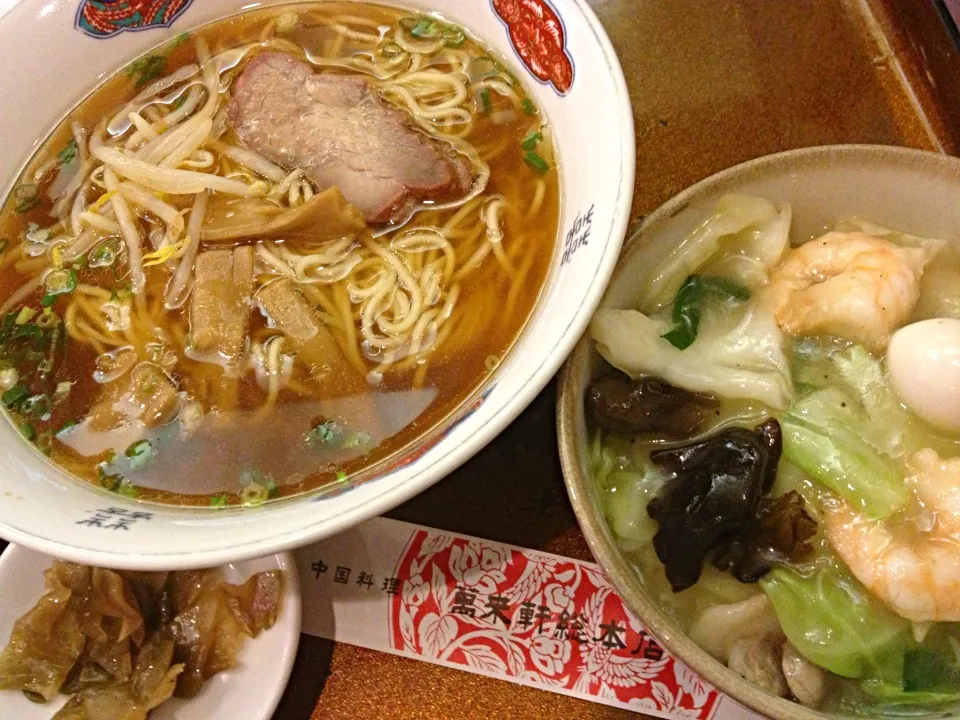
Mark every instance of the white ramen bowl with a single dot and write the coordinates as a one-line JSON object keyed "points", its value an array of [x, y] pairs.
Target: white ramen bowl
{"points": [[53, 53]]}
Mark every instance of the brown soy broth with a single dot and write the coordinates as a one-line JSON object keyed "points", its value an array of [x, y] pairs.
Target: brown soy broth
{"points": [[491, 311]]}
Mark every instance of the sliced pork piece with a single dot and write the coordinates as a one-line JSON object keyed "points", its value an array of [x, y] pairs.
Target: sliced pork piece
{"points": [[342, 134], [220, 304]]}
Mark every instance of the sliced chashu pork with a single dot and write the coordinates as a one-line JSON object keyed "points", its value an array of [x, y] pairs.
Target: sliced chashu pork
{"points": [[343, 135]]}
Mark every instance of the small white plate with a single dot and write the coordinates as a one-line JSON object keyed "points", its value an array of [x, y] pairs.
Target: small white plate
{"points": [[251, 691]]}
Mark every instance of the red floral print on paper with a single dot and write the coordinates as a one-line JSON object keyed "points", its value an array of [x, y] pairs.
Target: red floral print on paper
{"points": [[106, 18], [538, 37], [520, 614]]}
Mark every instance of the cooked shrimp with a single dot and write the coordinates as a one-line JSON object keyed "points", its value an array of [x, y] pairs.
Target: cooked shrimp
{"points": [[851, 285], [915, 573]]}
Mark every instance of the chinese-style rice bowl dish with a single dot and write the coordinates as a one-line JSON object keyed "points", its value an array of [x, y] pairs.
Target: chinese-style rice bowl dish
{"points": [[776, 441]]}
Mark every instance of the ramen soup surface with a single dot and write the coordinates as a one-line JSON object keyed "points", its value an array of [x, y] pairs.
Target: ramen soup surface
{"points": [[272, 253]]}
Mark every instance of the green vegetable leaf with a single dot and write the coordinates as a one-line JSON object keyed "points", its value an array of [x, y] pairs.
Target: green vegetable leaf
{"points": [[536, 163], [822, 435], [837, 624], [687, 305], [886, 697], [926, 670], [147, 68]]}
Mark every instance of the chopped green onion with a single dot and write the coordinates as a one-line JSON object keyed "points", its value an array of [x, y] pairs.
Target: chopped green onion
{"points": [[108, 480], [690, 296], [140, 455], [38, 405], [531, 141], [68, 154], [48, 300], [15, 395], [25, 315], [254, 495], [61, 282], [536, 163], [105, 253], [390, 49], [341, 476], [181, 39], [453, 36], [178, 103], [219, 501], [47, 319], [325, 433], [426, 28], [528, 107], [8, 377], [485, 98], [45, 442], [26, 197], [68, 425], [147, 69], [126, 488], [29, 432], [357, 439], [253, 476]]}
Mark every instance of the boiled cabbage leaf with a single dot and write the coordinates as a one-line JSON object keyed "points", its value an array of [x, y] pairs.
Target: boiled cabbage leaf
{"points": [[823, 436], [745, 362], [751, 233], [835, 623]]}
